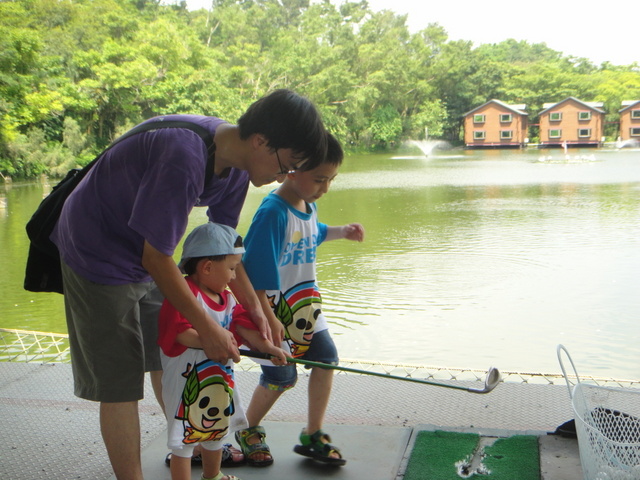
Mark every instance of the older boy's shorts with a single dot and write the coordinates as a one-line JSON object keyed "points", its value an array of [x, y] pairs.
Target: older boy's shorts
{"points": [[107, 354], [322, 349]]}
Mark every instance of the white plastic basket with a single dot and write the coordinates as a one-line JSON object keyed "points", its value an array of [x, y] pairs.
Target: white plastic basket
{"points": [[608, 428]]}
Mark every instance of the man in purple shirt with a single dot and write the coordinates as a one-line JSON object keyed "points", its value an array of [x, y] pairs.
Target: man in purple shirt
{"points": [[118, 231]]}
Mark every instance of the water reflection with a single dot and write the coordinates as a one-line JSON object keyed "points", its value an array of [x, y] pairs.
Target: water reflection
{"points": [[472, 258], [490, 259]]}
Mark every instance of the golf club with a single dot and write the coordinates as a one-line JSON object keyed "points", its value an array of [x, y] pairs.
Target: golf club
{"points": [[491, 381]]}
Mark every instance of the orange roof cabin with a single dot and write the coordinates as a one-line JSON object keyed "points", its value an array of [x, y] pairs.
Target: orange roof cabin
{"points": [[572, 122], [630, 120], [496, 124]]}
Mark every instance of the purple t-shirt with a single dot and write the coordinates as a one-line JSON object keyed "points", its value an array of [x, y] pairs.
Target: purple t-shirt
{"points": [[143, 188]]}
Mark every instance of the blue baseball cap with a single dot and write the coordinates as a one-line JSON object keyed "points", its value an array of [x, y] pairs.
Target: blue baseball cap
{"points": [[209, 240]]}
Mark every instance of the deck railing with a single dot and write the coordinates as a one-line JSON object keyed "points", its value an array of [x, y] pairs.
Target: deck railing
{"points": [[30, 346], [46, 347]]}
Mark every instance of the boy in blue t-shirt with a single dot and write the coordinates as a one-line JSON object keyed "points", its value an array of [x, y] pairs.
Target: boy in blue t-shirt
{"points": [[280, 260]]}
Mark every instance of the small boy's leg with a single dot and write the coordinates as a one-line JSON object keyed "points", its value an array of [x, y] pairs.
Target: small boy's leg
{"points": [[211, 460], [180, 468]]}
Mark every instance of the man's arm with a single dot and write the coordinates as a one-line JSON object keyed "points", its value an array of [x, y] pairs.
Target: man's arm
{"points": [[217, 343], [277, 328], [246, 295]]}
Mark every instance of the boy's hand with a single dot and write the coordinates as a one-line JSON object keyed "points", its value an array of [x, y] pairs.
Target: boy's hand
{"points": [[278, 356], [277, 332], [353, 231]]}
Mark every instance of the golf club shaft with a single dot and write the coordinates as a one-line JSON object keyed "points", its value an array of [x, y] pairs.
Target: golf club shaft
{"points": [[266, 356]]}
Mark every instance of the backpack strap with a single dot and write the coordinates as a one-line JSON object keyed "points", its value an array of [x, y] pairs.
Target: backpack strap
{"points": [[204, 134]]}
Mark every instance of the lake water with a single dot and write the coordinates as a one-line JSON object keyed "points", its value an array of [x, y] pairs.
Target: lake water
{"points": [[471, 259]]}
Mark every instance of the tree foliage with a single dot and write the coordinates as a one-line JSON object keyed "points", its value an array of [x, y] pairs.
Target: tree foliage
{"points": [[74, 74]]}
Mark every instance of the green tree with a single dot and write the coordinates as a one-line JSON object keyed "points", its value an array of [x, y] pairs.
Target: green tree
{"points": [[76, 73]]}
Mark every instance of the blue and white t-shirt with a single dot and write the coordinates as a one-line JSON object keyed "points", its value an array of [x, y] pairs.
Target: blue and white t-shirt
{"points": [[280, 258]]}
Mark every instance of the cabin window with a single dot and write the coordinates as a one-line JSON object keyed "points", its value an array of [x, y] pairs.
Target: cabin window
{"points": [[555, 133], [506, 134], [584, 132], [555, 116], [478, 118], [635, 114], [635, 132], [584, 115], [505, 117]]}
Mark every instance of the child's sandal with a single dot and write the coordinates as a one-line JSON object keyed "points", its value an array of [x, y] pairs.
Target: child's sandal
{"points": [[220, 476], [313, 447], [250, 449]]}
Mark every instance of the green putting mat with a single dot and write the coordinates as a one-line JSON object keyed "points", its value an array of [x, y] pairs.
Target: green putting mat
{"points": [[447, 456]]}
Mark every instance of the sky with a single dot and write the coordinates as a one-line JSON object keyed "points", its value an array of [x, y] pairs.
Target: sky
{"points": [[599, 31]]}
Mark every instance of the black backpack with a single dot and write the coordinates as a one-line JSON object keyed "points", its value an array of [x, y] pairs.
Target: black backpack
{"points": [[43, 273]]}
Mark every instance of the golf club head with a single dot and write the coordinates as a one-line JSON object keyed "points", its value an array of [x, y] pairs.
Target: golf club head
{"points": [[492, 380]]}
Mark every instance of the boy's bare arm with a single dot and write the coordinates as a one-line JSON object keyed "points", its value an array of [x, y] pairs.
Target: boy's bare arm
{"points": [[244, 292], [352, 231], [189, 338], [257, 342]]}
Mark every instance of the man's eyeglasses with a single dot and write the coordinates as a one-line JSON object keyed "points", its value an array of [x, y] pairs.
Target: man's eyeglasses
{"points": [[283, 171]]}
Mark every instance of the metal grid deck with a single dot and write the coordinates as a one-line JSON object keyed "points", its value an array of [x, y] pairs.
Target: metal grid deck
{"points": [[47, 433]]}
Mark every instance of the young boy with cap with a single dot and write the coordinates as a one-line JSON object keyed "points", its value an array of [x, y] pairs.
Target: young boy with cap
{"points": [[201, 400]]}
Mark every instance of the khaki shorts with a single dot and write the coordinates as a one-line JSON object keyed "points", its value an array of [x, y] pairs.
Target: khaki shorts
{"points": [[149, 311], [107, 353]]}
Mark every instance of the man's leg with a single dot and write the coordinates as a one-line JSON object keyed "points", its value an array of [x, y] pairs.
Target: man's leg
{"points": [[156, 383], [150, 306], [120, 426], [108, 362]]}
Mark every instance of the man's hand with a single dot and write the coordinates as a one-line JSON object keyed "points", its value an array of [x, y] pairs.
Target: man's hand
{"points": [[220, 346], [277, 331], [260, 320]]}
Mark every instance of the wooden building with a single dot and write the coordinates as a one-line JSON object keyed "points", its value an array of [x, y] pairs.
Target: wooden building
{"points": [[572, 122], [496, 124], [630, 120]]}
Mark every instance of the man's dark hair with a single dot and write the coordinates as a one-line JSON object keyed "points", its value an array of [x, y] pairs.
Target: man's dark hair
{"points": [[287, 120]]}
